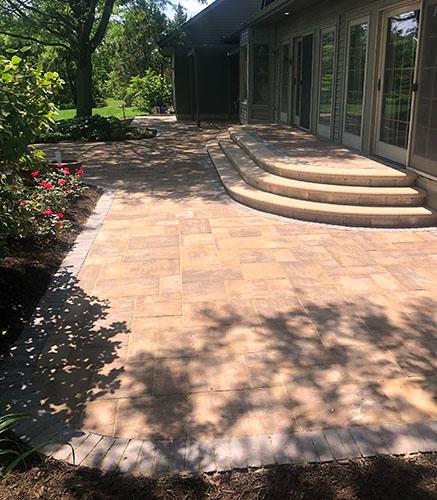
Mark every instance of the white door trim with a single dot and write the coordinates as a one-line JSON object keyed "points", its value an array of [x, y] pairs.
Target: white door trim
{"points": [[389, 151], [349, 139]]}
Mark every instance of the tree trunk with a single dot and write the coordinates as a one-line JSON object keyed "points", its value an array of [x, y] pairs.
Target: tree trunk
{"points": [[84, 85]]}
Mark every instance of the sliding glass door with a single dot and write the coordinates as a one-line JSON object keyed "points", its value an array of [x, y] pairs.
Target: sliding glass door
{"points": [[356, 68]]}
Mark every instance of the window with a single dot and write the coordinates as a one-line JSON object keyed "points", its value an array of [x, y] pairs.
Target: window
{"points": [[327, 57], [357, 57], [243, 73], [261, 73]]}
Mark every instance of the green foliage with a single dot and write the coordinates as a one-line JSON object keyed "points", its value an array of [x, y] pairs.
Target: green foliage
{"points": [[94, 128], [26, 110], [149, 91]]}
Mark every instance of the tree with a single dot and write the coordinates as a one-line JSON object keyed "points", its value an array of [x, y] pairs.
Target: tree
{"points": [[78, 29], [77, 26]]}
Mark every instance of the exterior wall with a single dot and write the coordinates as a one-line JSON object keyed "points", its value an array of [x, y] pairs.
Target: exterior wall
{"points": [[183, 86], [312, 20], [326, 13], [216, 84]]}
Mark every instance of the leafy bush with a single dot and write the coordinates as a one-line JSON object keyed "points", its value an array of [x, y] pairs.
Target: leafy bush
{"points": [[51, 190], [94, 128], [26, 111], [148, 91]]}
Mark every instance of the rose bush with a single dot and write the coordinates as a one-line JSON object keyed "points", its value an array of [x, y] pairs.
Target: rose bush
{"points": [[50, 190], [33, 193]]}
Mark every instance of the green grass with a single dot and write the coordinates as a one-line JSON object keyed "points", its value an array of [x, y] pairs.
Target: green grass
{"points": [[112, 108]]}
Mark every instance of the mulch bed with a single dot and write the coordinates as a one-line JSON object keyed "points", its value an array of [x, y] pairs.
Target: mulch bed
{"points": [[384, 478], [26, 272]]}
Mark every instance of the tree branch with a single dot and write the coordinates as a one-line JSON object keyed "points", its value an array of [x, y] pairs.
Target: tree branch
{"points": [[103, 24], [36, 40]]}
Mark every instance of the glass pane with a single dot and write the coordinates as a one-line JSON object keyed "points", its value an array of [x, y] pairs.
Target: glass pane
{"points": [[400, 59], [285, 77], [261, 74], [358, 37], [298, 76], [424, 147], [326, 78]]}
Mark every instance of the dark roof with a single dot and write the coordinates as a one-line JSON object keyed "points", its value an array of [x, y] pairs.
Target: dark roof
{"points": [[214, 23]]}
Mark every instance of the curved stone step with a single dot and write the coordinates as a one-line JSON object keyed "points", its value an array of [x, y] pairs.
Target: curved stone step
{"points": [[315, 211], [294, 168], [314, 191]]}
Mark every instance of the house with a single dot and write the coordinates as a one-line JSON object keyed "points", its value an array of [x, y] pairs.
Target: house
{"points": [[358, 74], [362, 73], [205, 60]]}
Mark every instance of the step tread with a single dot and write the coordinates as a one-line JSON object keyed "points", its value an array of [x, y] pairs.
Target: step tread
{"points": [[288, 166], [282, 205], [250, 170]]}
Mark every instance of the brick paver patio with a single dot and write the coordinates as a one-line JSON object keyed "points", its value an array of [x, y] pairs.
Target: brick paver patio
{"points": [[196, 318]]}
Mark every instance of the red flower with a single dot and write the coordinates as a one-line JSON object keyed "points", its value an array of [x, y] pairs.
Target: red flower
{"points": [[59, 164], [48, 212], [80, 171], [48, 185], [51, 168], [66, 171], [35, 174], [68, 190], [57, 223], [60, 215], [61, 182]]}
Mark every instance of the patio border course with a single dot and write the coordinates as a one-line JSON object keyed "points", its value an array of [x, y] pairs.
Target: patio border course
{"points": [[107, 453]]}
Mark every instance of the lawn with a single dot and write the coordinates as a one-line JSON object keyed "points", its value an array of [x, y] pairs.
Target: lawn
{"points": [[112, 108]]}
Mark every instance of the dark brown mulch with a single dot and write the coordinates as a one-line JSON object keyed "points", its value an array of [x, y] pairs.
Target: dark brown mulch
{"points": [[384, 478], [26, 272]]}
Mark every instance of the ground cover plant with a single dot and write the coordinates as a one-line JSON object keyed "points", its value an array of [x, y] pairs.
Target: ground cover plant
{"points": [[94, 128]]}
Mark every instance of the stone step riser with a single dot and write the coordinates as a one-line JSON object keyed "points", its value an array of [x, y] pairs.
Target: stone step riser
{"points": [[292, 188], [311, 211], [294, 169]]}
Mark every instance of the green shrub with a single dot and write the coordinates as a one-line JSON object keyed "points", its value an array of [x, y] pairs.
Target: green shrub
{"points": [[26, 111], [93, 128], [146, 92]]}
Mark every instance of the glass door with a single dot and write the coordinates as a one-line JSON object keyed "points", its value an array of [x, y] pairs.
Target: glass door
{"points": [[285, 83], [396, 82], [297, 80], [357, 43], [326, 85], [424, 136], [303, 81]]}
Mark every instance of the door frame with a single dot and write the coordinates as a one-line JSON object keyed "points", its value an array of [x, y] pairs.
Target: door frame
{"points": [[348, 139], [286, 117], [389, 151], [324, 130]]}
